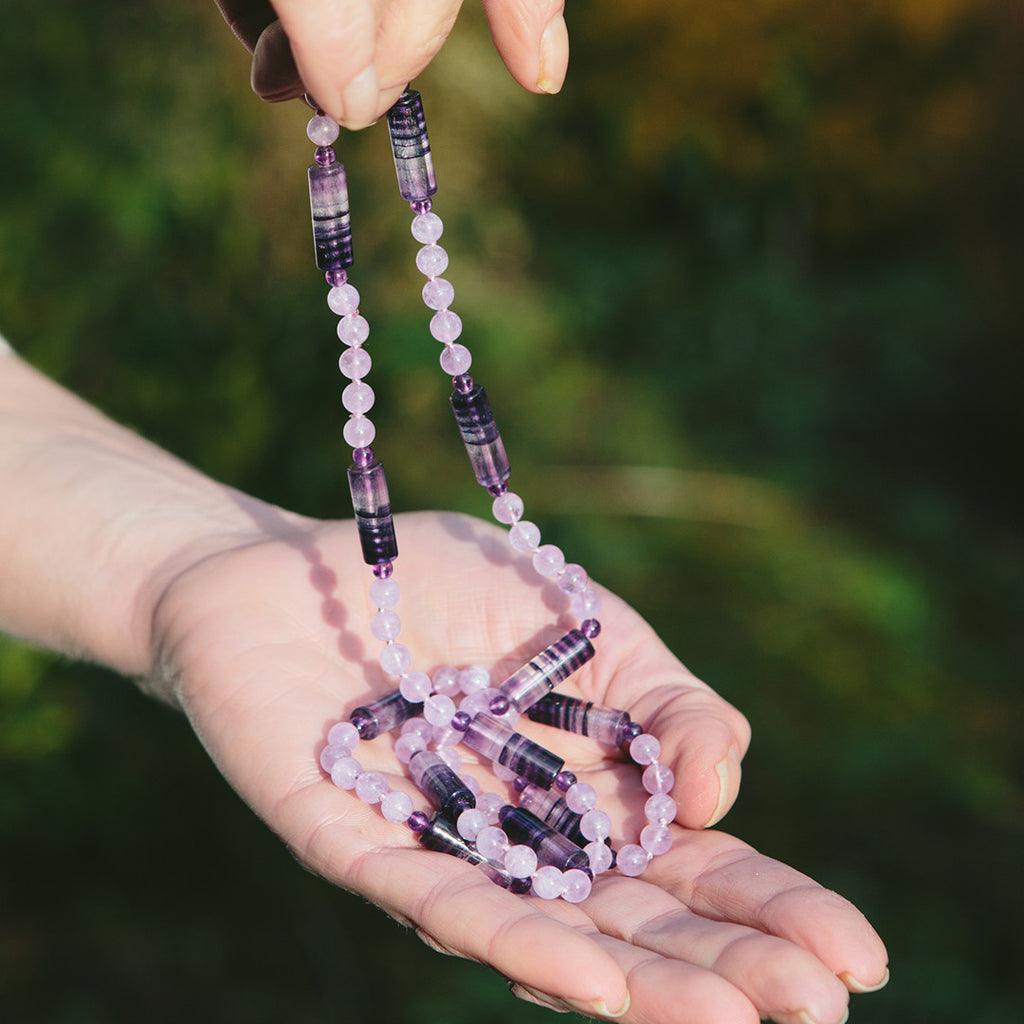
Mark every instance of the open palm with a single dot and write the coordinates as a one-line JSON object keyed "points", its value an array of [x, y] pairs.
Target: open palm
{"points": [[268, 644]]}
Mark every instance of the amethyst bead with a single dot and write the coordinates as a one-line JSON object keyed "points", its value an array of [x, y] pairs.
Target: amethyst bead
{"points": [[564, 781], [630, 733], [544, 671], [460, 721], [439, 784], [552, 809], [325, 156], [372, 507], [336, 277], [550, 846], [507, 748], [410, 146], [418, 821], [590, 628], [605, 725], [332, 227], [383, 715], [463, 384], [441, 835], [480, 435], [499, 705]]}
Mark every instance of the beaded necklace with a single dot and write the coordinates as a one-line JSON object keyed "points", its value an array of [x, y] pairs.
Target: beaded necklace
{"points": [[553, 840]]}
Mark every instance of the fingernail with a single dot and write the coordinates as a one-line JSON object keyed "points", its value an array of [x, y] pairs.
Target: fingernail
{"points": [[359, 99], [805, 1018], [601, 1008], [552, 46], [855, 985], [728, 771]]}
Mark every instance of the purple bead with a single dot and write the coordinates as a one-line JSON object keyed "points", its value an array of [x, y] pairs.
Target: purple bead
{"points": [[586, 718], [460, 721], [383, 715], [564, 781], [332, 227], [325, 156], [632, 860], [645, 749], [581, 798], [544, 671], [463, 384], [519, 783], [656, 839], [421, 206], [336, 277], [520, 886], [551, 808], [382, 570], [500, 704], [576, 886], [440, 785], [551, 847], [658, 778], [363, 457], [372, 506], [630, 733], [590, 628], [365, 723], [358, 399], [322, 131], [498, 489], [410, 146], [456, 359], [497, 741], [418, 821], [480, 435]]}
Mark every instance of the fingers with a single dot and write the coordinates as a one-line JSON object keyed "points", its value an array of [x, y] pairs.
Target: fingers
{"points": [[783, 981], [465, 914], [411, 32], [333, 43], [721, 878], [532, 39]]}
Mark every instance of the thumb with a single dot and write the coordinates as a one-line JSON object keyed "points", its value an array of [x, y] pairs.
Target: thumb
{"points": [[532, 39]]}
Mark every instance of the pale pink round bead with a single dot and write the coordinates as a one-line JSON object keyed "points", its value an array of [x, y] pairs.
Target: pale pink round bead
{"points": [[581, 798], [345, 772], [470, 822], [573, 579], [600, 856], [548, 883], [355, 363], [438, 293], [491, 804], [408, 744], [507, 508], [456, 359], [524, 536], [503, 773], [322, 130], [343, 734], [446, 681], [520, 861], [438, 709], [548, 560], [474, 679], [332, 754], [343, 299], [586, 605], [656, 840], [450, 756], [359, 431], [474, 704], [492, 843], [632, 860], [431, 260], [353, 329], [471, 783], [371, 786], [576, 885], [446, 325], [595, 825], [427, 227], [658, 778], [447, 737], [645, 748], [395, 659], [660, 809], [384, 593], [414, 687], [396, 806], [357, 397], [420, 726], [386, 625]]}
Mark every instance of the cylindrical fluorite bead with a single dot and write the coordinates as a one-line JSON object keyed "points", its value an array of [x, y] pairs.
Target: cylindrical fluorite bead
{"points": [[332, 227], [606, 725], [480, 435], [383, 715], [551, 808], [372, 506], [411, 148], [441, 835], [543, 672], [502, 744], [440, 785], [550, 846]]}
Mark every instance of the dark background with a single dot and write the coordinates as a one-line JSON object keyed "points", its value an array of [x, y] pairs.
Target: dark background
{"points": [[751, 283]]}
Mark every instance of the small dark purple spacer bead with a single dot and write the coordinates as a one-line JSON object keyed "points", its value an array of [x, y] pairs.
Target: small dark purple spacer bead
{"points": [[498, 489], [382, 570], [520, 784], [464, 383], [418, 821], [564, 781], [461, 720], [520, 886], [631, 732], [590, 628], [504, 813], [325, 155], [499, 704], [420, 206], [362, 457], [364, 722], [336, 278]]}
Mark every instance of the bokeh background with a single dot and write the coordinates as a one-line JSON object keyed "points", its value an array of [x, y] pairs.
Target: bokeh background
{"points": [[751, 284]]}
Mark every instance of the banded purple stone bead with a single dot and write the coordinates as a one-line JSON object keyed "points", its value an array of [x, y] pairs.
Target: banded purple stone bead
{"points": [[440, 785], [606, 725], [410, 146], [543, 672], [372, 506], [441, 835], [383, 715], [502, 744], [481, 436], [552, 809], [332, 226], [551, 847]]}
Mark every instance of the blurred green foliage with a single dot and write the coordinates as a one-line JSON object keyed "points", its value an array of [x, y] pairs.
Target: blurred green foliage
{"points": [[752, 281]]}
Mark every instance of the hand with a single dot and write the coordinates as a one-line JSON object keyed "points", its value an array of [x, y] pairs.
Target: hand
{"points": [[356, 56], [265, 644]]}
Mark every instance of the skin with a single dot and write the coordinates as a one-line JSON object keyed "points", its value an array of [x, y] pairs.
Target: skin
{"points": [[254, 621]]}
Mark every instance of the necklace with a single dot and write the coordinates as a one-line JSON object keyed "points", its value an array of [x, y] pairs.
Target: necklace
{"points": [[549, 838]]}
